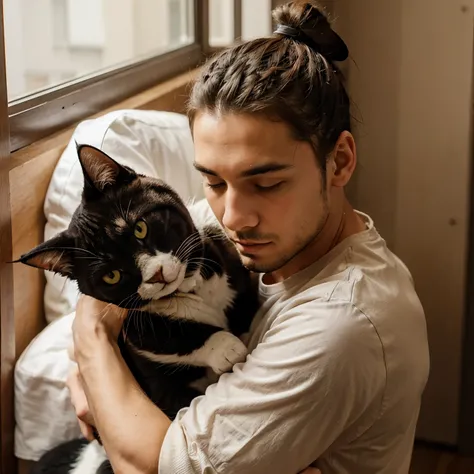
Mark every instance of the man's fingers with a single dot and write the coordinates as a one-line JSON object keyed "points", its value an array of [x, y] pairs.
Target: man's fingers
{"points": [[70, 352], [78, 399], [86, 430], [91, 312]]}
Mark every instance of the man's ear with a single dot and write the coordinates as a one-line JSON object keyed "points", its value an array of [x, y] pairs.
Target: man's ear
{"points": [[101, 171], [54, 255], [344, 160]]}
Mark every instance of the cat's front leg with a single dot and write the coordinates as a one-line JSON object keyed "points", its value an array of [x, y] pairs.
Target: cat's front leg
{"points": [[222, 351]]}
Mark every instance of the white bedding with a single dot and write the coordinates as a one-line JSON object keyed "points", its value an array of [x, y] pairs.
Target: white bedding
{"points": [[152, 143]]}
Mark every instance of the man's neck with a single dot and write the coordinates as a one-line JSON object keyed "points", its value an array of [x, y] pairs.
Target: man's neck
{"points": [[341, 223]]}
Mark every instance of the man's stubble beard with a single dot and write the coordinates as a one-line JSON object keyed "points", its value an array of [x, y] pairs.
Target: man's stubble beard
{"points": [[300, 245]]}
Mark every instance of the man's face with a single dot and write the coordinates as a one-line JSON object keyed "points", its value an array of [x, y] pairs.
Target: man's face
{"points": [[264, 186]]}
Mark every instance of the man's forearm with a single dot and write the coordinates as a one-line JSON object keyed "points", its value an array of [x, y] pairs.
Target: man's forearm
{"points": [[131, 427]]}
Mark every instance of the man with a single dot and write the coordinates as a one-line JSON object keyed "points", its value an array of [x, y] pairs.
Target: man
{"points": [[338, 352]]}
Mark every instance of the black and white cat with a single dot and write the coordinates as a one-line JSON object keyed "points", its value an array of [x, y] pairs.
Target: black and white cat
{"points": [[134, 243]]}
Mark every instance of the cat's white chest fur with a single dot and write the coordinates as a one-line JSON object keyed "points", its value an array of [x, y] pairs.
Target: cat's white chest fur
{"points": [[90, 459], [217, 292], [206, 305]]}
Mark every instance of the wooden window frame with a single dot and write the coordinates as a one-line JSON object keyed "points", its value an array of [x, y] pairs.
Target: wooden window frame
{"points": [[45, 113]]}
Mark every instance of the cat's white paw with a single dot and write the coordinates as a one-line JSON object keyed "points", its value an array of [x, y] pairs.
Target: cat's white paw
{"points": [[223, 350]]}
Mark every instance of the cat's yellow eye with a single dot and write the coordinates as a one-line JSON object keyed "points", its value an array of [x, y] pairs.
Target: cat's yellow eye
{"points": [[141, 230], [112, 278]]}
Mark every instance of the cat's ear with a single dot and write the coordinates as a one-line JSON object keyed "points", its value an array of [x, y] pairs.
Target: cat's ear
{"points": [[54, 255], [101, 171]]}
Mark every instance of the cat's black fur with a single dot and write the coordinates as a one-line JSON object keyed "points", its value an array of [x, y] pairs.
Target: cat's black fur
{"points": [[101, 239]]}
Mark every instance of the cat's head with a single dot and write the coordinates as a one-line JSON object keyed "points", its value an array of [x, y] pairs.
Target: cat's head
{"points": [[130, 240]]}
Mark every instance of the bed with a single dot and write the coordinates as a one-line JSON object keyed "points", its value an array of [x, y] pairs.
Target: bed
{"points": [[27, 317]]}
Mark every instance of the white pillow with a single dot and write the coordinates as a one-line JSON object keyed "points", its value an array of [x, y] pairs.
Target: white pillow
{"points": [[152, 143], [43, 411]]}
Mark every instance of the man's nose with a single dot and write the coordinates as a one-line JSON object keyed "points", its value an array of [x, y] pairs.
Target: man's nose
{"points": [[240, 212]]}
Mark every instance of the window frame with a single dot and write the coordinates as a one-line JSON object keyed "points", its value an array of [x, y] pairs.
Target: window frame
{"points": [[38, 115]]}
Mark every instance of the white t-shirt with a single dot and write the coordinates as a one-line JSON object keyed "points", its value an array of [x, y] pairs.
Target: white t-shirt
{"points": [[338, 363]]}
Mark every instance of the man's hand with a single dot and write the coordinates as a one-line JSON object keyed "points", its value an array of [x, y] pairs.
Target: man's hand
{"points": [[95, 317], [79, 402], [91, 316], [311, 470]]}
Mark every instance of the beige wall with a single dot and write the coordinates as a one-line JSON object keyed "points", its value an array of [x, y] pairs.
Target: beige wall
{"points": [[411, 81]]}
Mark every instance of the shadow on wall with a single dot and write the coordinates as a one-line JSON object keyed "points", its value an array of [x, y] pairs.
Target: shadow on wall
{"points": [[411, 78]]}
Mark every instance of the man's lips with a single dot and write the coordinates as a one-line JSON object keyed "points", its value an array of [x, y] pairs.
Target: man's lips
{"points": [[248, 245]]}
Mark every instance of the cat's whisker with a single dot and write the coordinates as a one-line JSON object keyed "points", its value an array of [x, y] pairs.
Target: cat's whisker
{"points": [[122, 212], [186, 255], [104, 311], [128, 209], [137, 322], [205, 271], [205, 259], [193, 239], [207, 267], [205, 263], [190, 240], [139, 318], [127, 299], [78, 249], [150, 319], [97, 261], [189, 252], [184, 242], [204, 266], [131, 313], [217, 235], [126, 327]]}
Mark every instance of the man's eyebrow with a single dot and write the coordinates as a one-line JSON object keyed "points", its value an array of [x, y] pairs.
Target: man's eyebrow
{"points": [[263, 169], [204, 170]]}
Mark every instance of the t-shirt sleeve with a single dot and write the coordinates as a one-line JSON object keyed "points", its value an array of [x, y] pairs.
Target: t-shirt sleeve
{"points": [[318, 372]]}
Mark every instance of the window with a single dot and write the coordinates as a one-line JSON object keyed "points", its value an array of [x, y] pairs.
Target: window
{"points": [[68, 59], [181, 29], [230, 20], [256, 18], [50, 42]]}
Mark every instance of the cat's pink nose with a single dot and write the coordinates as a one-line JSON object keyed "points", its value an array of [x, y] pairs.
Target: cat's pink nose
{"points": [[157, 277]]}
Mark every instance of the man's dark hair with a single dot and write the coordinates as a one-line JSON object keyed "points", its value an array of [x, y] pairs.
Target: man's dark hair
{"points": [[289, 76]]}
